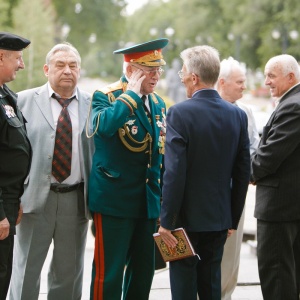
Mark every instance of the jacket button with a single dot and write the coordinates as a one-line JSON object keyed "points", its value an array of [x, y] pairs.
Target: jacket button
{"points": [[147, 180], [158, 180]]}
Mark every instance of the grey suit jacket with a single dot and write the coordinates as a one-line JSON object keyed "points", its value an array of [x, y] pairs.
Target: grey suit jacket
{"points": [[276, 163], [36, 108]]}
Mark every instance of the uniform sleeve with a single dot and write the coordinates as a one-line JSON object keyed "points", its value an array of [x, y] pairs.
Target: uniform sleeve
{"points": [[109, 116]]}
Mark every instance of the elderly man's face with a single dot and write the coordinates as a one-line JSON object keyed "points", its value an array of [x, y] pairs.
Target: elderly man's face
{"points": [[11, 62], [234, 85], [186, 79], [63, 71], [276, 80], [152, 76]]}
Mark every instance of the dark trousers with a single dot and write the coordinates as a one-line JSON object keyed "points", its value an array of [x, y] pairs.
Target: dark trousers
{"points": [[191, 276], [6, 259], [278, 254]]}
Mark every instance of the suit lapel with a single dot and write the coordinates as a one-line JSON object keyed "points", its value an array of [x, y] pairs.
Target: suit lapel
{"points": [[42, 100], [292, 92], [83, 108]]}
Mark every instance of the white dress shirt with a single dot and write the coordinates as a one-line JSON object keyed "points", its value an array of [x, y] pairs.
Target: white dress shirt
{"points": [[73, 110], [252, 130]]}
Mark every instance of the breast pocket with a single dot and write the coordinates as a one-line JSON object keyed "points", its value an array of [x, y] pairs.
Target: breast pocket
{"points": [[14, 122]]}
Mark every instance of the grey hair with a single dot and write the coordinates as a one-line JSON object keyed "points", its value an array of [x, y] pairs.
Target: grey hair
{"points": [[288, 64], [228, 65], [65, 47], [203, 61]]}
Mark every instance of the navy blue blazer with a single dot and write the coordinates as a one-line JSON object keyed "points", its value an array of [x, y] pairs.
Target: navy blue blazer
{"points": [[207, 164]]}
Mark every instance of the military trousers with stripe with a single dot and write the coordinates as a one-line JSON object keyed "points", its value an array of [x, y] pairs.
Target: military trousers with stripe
{"points": [[123, 265]]}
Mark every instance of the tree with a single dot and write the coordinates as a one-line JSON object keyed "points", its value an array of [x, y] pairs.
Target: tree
{"points": [[93, 26], [242, 29], [6, 13], [27, 21]]}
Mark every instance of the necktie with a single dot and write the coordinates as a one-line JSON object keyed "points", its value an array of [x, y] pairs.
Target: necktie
{"points": [[62, 157], [148, 114]]}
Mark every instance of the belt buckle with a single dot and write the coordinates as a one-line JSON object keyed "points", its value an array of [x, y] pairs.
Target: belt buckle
{"points": [[55, 188], [65, 189]]}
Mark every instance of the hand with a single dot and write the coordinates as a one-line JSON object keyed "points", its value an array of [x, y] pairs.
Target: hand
{"points": [[20, 214], [167, 237], [4, 229], [135, 81], [230, 232]]}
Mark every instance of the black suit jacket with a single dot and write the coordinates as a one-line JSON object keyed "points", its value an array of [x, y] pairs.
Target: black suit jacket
{"points": [[276, 163], [207, 164]]}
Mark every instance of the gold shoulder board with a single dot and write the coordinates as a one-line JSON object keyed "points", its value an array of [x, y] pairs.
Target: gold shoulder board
{"points": [[112, 87]]}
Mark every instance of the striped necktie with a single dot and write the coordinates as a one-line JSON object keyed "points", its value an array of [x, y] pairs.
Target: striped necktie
{"points": [[62, 157]]}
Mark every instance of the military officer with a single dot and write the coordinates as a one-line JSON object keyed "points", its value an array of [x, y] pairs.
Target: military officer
{"points": [[15, 152], [129, 131]]}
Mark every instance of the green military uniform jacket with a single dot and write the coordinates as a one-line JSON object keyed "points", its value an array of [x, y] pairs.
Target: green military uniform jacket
{"points": [[126, 171]]}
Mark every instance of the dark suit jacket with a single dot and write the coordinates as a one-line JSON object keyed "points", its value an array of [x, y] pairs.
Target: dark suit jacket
{"points": [[276, 163], [207, 164]]}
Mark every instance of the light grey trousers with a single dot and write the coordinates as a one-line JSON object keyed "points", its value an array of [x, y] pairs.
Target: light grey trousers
{"points": [[63, 223]]}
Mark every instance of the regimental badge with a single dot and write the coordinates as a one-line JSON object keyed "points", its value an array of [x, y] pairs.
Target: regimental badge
{"points": [[162, 134], [134, 129], [9, 111]]}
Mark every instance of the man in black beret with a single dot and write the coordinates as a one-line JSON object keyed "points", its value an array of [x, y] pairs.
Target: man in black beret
{"points": [[15, 153]]}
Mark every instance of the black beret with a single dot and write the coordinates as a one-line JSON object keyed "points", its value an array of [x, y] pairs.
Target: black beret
{"points": [[9, 41]]}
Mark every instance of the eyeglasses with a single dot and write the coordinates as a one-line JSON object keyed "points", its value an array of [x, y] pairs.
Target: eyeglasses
{"points": [[181, 74], [152, 71]]}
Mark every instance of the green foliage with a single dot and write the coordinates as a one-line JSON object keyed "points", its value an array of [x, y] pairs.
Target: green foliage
{"points": [[242, 29], [6, 13], [94, 26], [28, 20]]}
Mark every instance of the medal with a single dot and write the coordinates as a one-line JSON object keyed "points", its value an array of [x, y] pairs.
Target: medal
{"points": [[162, 134], [9, 111], [134, 130]]}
